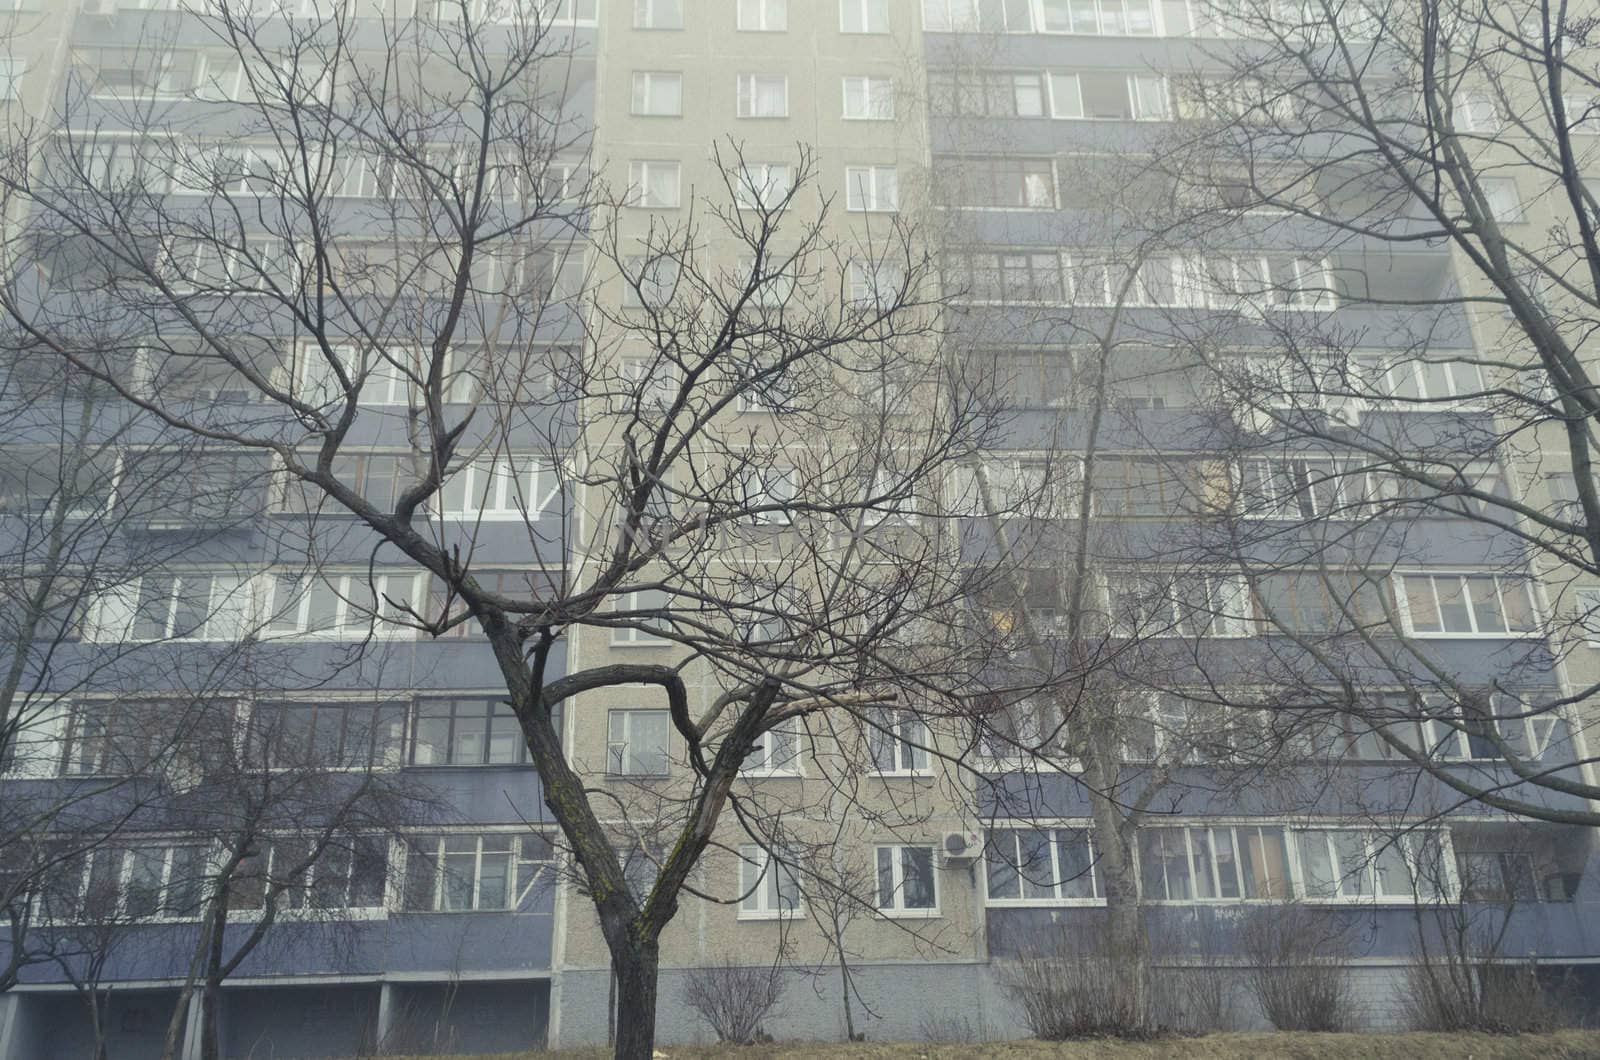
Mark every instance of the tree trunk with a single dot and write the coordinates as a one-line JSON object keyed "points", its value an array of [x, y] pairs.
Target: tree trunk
{"points": [[210, 1025], [636, 965], [844, 985]]}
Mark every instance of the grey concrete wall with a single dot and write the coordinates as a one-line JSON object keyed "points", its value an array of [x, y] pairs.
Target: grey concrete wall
{"points": [[468, 1017], [897, 1002], [276, 1023]]}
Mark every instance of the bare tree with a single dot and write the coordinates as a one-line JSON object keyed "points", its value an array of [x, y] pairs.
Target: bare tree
{"points": [[1380, 135], [446, 315]]}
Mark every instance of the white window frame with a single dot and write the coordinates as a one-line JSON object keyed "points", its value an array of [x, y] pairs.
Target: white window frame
{"points": [[1510, 210], [620, 753], [873, 283], [1374, 844], [761, 898], [905, 735], [762, 185], [1011, 834], [227, 609], [1408, 578], [875, 96], [1465, 394], [1588, 614], [641, 176], [517, 888], [350, 621], [762, 16], [1103, 17], [168, 845], [750, 89], [769, 744], [642, 102], [872, 189], [498, 489], [631, 636], [1210, 863], [896, 908], [12, 71], [863, 16], [649, 14]]}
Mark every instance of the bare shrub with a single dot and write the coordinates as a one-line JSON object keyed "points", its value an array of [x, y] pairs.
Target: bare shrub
{"points": [[1193, 999], [1082, 988], [937, 1025], [1455, 992], [1297, 971], [734, 998]]}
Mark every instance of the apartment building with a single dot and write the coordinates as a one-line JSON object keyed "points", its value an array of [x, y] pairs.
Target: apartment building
{"points": [[1013, 136]]}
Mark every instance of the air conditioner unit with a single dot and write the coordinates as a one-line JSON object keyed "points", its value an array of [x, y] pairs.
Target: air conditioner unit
{"points": [[961, 846]]}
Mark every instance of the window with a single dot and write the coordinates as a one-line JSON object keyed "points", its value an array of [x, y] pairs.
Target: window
{"points": [[897, 742], [776, 754], [339, 606], [763, 185], [380, 478], [147, 72], [11, 71], [166, 487], [349, 872], [1040, 865], [984, 94], [658, 94], [1321, 601], [907, 885], [1099, 17], [155, 880], [872, 188], [1466, 729], [649, 282], [509, 488], [467, 731], [1011, 183], [1583, 113], [1475, 112], [1349, 865], [193, 605], [489, 872], [645, 611], [1129, 486], [653, 185], [571, 12], [1213, 864], [869, 98], [1483, 605], [1177, 605], [1008, 277], [874, 284], [1104, 95], [766, 885], [863, 16], [1420, 381], [1500, 195], [637, 743], [518, 584], [330, 735], [764, 16], [763, 96], [1503, 877], [1303, 488], [771, 290], [1588, 601], [1164, 727], [765, 493], [119, 737], [989, 16], [657, 14]]}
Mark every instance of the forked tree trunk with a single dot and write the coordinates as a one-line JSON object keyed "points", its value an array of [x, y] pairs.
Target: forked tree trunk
{"points": [[636, 964]]}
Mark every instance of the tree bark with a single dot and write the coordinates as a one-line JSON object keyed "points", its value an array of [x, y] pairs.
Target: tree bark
{"points": [[636, 964]]}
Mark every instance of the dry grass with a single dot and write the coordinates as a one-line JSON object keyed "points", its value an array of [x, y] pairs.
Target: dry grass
{"points": [[1562, 1045]]}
